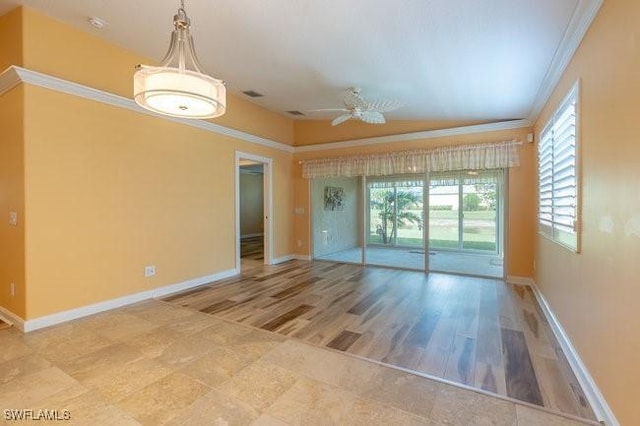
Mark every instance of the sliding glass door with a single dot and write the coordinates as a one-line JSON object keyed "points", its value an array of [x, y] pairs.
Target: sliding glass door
{"points": [[395, 218], [465, 222], [382, 220]]}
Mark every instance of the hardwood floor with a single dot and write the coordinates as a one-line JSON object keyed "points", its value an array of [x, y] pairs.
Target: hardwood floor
{"points": [[252, 248], [477, 332]]}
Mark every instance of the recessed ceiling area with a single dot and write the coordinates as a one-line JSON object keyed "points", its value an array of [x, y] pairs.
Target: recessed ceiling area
{"points": [[486, 60]]}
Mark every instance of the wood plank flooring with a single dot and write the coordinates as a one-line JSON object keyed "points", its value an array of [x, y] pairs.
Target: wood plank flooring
{"points": [[478, 332], [252, 248]]}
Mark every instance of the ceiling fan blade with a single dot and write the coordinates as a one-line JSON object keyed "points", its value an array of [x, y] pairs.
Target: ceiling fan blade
{"points": [[372, 117], [353, 100], [340, 119], [384, 105], [327, 109]]}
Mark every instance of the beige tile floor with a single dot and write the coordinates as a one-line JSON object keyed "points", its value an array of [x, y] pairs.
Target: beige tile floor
{"points": [[154, 364]]}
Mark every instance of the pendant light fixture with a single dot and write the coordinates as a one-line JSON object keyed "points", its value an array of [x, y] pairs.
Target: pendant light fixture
{"points": [[178, 87]]}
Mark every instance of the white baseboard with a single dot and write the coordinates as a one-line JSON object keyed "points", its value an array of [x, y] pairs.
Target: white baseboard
{"points": [[64, 316], [599, 405], [282, 259], [290, 257], [259, 234], [11, 318]]}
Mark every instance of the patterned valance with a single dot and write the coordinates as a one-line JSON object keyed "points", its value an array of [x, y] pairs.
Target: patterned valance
{"points": [[486, 156]]}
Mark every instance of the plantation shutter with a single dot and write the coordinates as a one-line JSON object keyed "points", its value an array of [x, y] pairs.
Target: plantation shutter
{"points": [[557, 173]]}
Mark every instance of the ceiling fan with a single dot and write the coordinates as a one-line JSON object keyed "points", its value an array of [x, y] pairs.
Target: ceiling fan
{"points": [[357, 108]]}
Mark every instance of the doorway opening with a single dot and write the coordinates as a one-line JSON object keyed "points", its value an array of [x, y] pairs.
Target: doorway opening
{"points": [[253, 211]]}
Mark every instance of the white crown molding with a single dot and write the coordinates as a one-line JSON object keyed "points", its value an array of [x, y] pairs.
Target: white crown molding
{"points": [[15, 75], [429, 134], [523, 281], [107, 305], [580, 22], [8, 80]]}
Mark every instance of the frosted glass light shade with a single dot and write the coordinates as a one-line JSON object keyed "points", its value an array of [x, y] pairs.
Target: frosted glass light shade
{"points": [[179, 93]]}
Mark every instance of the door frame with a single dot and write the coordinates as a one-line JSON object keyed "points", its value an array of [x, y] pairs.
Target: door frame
{"points": [[267, 164]]}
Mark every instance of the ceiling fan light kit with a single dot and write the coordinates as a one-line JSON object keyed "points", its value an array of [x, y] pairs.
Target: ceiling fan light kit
{"points": [[178, 87]]}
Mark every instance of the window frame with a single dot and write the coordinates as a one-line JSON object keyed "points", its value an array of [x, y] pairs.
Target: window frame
{"points": [[566, 239]]}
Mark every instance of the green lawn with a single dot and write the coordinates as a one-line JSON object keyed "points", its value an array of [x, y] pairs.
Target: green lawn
{"points": [[443, 232], [438, 243], [453, 214]]}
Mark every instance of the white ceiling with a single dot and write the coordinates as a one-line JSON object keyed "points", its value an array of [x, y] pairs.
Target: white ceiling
{"points": [[443, 59]]}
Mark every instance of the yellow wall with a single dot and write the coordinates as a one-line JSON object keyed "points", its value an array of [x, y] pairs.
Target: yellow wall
{"points": [[521, 192], [312, 132], [11, 39], [103, 191], [12, 248], [110, 190], [595, 294], [57, 49]]}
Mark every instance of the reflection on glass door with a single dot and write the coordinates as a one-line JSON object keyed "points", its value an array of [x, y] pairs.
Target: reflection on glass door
{"points": [[479, 218], [395, 222], [465, 211], [336, 216], [444, 217]]}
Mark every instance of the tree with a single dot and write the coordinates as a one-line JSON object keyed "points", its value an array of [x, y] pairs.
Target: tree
{"points": [[487, 193], [470, 203], [393, 210]]}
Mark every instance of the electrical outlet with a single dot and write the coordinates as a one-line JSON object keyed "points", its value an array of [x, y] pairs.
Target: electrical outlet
{"points": [[12, 289], [13, 218], [149, 271]]}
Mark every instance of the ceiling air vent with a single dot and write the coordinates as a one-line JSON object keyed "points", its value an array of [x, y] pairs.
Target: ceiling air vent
{"points": [[295, 112], [253, 94]]}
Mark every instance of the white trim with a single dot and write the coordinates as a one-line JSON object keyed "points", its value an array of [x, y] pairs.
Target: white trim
{"points": [[11, 318], [64, 316], [13, 75], [283, 259], [429, 134], [9, 79], [304, 257], [267, 200], [598, 404], [581, 20], [259, 234], [511, 279]]}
